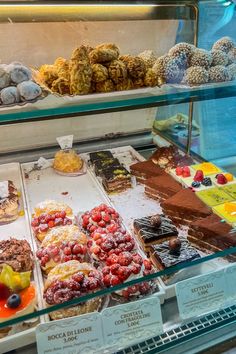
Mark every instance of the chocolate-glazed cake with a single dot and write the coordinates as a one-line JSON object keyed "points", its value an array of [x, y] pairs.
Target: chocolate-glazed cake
{"points": [[211, 234], [99, 155], [144, 170], [116, 179], [164, 255], [9, 205], [162, 187], [101, 165], [154, 229], [185, 207]]}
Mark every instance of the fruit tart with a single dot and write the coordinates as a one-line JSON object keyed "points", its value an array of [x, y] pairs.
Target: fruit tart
{"points": [[102, 245], [62, 244], [51, 218], [17, 294], [71, 280], [9, 202], [100, 216], [124, 267]]}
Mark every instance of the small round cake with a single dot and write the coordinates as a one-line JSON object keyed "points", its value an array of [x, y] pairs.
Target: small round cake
{"points": [[4, 78], [67, 161], [218, 73], [232, 71], [219, 57], [201, 57], [169, 69], [196, 75], [232, 56], [10, 95], [149, 58], [182, 51], [225, 44], [29, 90]]}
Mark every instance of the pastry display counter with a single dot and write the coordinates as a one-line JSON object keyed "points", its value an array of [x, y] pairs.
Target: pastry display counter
{"points": [[102, 249]]}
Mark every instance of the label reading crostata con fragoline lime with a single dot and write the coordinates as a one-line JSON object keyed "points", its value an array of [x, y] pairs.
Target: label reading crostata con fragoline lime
{"points": [[65, 142]]}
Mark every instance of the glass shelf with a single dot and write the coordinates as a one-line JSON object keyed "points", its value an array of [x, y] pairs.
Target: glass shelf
{"points": [[54, 107]]}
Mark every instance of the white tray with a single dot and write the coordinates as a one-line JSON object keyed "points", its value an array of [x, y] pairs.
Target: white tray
{"points": [[133, 204], [18, 229]]}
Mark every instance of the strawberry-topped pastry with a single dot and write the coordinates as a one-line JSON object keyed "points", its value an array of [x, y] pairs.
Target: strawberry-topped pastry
{"points": [[124, 267], [62, 244], [103, 244], [43, 223], [72, 280], [100, 216], [17, 293]]}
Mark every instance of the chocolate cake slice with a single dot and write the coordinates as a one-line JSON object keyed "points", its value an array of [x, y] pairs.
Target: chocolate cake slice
{"points": [[162, 187], [154, 229], [116, 179], [101, 165], [99, 155], [211, 234], [144, 170], [164, 255], [185, 207]]}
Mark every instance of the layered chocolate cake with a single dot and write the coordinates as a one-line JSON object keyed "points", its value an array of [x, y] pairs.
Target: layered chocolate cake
{"points": [[116, 179], [154, 229], [185, 207], [144, 170], [9, 202], [101, 165], [168, 157], [99, 155], [170, 253], [162, 187], [211, 234]]}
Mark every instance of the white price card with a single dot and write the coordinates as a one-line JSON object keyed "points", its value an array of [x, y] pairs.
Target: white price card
{"points": [[201, 294], [230, 278], [129, 323], [76, 335]]}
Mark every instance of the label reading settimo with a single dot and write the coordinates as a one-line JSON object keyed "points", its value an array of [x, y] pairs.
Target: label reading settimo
{"points": [[202, 294], [81, 335]]}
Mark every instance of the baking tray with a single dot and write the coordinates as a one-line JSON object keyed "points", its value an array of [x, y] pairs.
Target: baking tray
{"points": [[81, 193], [22, 333], [133, 203]]}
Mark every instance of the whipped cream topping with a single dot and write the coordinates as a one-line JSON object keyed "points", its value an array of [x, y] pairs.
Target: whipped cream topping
{"points": [[4, 190]]}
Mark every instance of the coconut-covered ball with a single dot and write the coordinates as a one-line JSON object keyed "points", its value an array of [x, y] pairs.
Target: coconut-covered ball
{"points": [[167, 68], [149, 58], [232, 71], [105, 86], [218, 73], [182, 51], [136, 67], [219, 57], [201, 57], [232, 56], [225, 44], [196, 75]]}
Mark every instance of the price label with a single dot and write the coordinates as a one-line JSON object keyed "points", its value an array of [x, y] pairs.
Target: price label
{"points": [[129, 323], [201, 294], [75, 335]]}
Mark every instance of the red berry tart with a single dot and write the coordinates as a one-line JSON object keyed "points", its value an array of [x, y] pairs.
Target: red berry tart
{"points": [[99, 217], [103, 245], [71, 280], [62, 244], [125, 267]]}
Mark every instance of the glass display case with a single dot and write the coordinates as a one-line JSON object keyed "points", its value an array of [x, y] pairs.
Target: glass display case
{"points": [[122, 238]]}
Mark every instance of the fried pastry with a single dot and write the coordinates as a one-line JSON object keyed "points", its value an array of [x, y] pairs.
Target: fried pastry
{"points": [[117, 71], [100, 73], [62, 244], [149, 58], [61, 86], [80, 72], [136, 66], [104, 53], [9, 202], [124, 85], [137, 83], [151, 78], [105, 86], [48, 74], [71, 280], [62, 67]]}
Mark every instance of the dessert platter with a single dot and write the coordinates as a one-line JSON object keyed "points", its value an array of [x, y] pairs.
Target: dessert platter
{"points": [[19, 280], [122, 219]]}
